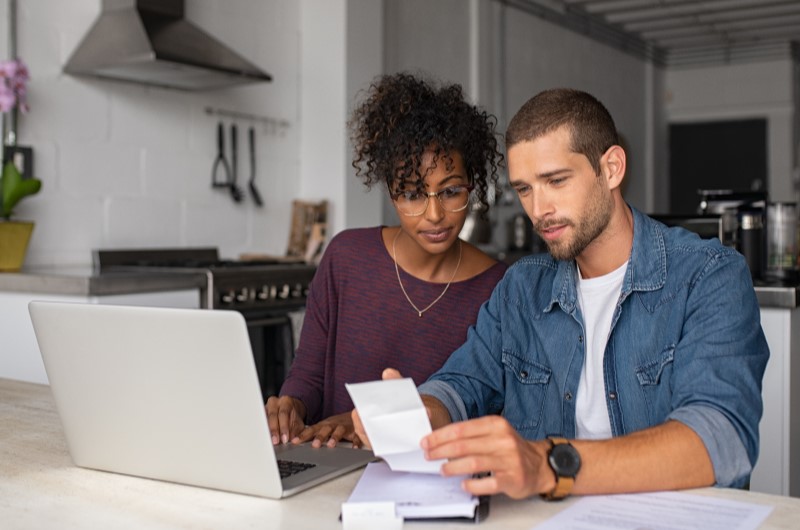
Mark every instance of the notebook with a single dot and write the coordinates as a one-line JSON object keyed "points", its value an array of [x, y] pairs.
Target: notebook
{"points": [[170, 394], [416, 496]]}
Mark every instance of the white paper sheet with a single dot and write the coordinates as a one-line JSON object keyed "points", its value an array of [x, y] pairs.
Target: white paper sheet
{"points": [[396, 421], [415, 495], [661, 511]]}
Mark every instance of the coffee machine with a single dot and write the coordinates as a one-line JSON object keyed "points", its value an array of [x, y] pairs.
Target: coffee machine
{"points": [[744, 223], [737, 218], [719, 201], [764, 232]]}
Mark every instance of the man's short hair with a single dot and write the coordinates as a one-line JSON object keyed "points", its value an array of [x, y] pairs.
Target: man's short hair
{"points": [[591, 127]]}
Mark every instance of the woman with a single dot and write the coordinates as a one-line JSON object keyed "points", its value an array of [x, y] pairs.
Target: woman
{"points": [[401, 296]]}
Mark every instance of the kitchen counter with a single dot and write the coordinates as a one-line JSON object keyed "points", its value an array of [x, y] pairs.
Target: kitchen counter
{"points": [[83, 281], [778, 296]]}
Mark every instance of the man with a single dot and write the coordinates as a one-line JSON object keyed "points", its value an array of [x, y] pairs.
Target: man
{"points": [[628, 359]]}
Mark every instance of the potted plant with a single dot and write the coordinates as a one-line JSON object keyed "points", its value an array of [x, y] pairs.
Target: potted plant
{"points": [[14, 235]]}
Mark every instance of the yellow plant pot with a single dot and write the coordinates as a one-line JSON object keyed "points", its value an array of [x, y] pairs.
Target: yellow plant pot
{"points": [[14, 238]]}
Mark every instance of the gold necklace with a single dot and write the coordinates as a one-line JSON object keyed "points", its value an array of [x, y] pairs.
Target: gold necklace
{"points": [[397, 270]]}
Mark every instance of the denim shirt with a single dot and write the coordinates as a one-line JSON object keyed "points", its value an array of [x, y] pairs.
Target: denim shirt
{"points": [[685, 344]]}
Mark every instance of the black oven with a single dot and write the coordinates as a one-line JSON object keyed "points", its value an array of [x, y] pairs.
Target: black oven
{"points": [[266, 292]]}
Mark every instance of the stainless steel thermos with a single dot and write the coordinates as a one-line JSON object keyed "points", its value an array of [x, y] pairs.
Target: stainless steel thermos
{"points": [[750, 239]]}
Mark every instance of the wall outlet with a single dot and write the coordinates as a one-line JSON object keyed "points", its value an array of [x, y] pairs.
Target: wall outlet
{"points": [[22, 157]]}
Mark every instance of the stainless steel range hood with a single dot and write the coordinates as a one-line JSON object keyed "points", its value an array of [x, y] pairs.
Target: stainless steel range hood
{"points": [[150, 42]]}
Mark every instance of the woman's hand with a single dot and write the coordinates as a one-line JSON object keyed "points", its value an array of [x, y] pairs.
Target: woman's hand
{"points": [[330, 432], [285, 416]]}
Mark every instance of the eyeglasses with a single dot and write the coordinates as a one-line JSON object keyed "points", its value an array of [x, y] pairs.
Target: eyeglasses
{"points": [[414, 202]]}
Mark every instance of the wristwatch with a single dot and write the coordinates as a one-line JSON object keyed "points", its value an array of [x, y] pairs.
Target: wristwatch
{"points": [[565, 462]]}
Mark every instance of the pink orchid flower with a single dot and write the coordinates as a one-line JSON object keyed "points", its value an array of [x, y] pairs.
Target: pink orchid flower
{"points": [[13, 78]]}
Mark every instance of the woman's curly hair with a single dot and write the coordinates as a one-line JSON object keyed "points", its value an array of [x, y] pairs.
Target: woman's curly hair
{"points": [[403, 116]]}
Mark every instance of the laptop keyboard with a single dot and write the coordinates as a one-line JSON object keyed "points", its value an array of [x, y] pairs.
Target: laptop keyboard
{"points": [[289, 468]]}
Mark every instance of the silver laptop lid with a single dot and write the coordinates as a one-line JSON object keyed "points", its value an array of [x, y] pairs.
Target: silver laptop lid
{"points": [[170, 394]]}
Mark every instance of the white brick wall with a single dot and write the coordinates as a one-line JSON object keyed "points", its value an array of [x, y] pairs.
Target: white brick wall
{"points": [[125, 165]]}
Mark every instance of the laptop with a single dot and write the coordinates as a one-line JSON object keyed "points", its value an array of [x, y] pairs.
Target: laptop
{"points": [[171, 394]]}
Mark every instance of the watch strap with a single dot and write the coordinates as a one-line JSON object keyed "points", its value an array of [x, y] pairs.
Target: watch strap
{"points": [[562, 489], [564, 484]]}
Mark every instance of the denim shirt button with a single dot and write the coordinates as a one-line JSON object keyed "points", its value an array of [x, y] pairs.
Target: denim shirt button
{"points": [[612, 395], [523, 374], [568, 396], [580, 339]]}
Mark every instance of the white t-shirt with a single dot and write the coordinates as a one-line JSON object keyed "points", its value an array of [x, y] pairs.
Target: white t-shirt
{"points": [[598, 300]]}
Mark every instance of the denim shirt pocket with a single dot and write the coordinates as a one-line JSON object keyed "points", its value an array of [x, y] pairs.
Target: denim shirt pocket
{"points": [[654, 378], [526, 388]]}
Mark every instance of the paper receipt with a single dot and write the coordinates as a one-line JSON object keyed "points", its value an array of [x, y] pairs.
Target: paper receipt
{"points": [[395, 421]]}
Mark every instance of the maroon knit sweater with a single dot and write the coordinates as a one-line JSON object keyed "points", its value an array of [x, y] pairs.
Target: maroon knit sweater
{"points": [[358, 322]]}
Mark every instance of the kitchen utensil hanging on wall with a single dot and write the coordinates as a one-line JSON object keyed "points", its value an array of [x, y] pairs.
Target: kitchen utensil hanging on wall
{"points": [[221, 170], [251, 141], [236, 191]]}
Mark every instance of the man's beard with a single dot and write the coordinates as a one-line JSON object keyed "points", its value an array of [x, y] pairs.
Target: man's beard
{"points": [[585, 231]]}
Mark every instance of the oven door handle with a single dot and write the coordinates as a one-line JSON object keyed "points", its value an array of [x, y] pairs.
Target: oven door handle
{"points": [[272, 321]]}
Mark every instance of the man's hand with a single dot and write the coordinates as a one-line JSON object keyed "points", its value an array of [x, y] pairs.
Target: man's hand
{"points": [[330, 431], [518, 467], [285, 416]]}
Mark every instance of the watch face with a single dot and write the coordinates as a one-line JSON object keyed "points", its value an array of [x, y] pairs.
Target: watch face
{"points": [[565, 460]]}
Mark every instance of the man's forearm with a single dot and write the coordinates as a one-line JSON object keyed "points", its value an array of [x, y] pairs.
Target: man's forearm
{"points": [[666, 457], [437, 412]]}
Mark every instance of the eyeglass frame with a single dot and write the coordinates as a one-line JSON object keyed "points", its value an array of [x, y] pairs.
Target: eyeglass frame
{"points": [[429, 194]]}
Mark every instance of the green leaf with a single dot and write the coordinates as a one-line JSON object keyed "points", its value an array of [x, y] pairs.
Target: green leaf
{"points": [[14, 188]]}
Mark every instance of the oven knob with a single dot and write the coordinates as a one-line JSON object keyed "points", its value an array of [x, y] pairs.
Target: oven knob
{"points": [[285, 292], [273, 292], [263, 294], [297, 292], [228, 297], [243, 295]]}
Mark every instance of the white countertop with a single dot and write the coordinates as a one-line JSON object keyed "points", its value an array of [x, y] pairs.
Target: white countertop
{"points": [[83, 281], [41, 488]]}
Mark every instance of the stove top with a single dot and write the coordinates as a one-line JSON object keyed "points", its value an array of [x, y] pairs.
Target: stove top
{"points": [[230, 284]]}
